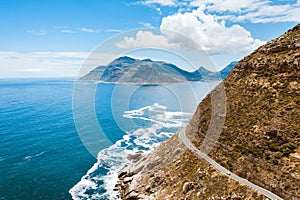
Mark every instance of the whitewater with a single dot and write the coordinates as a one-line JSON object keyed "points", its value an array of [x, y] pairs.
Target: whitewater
{"points": [[163, 124]]}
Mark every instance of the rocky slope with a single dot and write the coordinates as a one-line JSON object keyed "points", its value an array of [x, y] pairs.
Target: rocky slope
{"points": [[260, 140], [130, 70]]}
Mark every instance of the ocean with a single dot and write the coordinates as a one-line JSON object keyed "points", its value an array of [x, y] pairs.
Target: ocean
{"points": [[43, 150]]}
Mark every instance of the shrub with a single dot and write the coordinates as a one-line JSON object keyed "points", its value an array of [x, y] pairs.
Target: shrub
{"points": [[287, 148], [273, 147]]}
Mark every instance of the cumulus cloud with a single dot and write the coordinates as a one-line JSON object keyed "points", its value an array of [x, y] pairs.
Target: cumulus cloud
{"points": [[145, 39], [213, 24], [211, 34], [205, 32]]}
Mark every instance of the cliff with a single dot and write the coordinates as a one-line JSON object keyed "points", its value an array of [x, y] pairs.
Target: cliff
{"points": [[260, 139]]}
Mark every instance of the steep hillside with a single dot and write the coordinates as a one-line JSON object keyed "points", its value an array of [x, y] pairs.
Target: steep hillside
{"points": [[260, 140], [261, 137]]}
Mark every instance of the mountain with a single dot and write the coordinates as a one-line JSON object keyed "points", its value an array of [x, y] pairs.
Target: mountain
{"points": [[260, 139], [226, 71], [130, 70], [207, 74], [210, 75]]}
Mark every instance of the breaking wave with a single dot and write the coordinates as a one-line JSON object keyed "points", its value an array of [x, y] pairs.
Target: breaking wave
{"points": [[100, 180]]}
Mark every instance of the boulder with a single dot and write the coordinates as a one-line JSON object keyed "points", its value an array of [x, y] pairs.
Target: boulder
{"points": [[132, 196], [135, 157], [187, 187], [127, 180]]}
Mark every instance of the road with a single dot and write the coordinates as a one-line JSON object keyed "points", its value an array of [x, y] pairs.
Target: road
{"points": [[243, 181]]}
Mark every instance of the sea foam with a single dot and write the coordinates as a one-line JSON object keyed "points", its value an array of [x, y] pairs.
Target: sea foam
{"points": [[100, 180]]}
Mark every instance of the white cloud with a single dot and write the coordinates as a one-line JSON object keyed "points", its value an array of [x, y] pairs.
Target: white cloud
{"points": [[255, 11], [160, 2], [62, 29], [50, 64], [271, 13], [69, 30], [89, 30], [113, 30], [66, 31], [206, 23], [205, 30], [41, 64], [159, 11], [145, 39], [30, 70], [229, 5], [211, 34], [147, 24], [37, 32]]}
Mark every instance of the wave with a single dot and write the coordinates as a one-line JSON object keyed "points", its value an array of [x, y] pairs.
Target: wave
{"points": [[99, 182], [34, 156]]}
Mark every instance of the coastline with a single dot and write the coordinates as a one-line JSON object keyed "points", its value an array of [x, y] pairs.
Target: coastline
{"points": [[148, 165], [165, 173], [129, 150]]}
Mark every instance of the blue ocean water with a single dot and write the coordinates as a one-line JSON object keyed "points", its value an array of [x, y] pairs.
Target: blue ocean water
{"points": [[43, 157]]}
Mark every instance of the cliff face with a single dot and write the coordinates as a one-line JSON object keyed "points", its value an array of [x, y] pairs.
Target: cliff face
{"points": [[260, 140]]}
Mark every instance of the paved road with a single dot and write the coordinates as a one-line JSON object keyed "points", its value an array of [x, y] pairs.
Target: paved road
{"points": [[263, 191]]}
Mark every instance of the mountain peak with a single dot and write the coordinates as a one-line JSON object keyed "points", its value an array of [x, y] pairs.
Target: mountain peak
{"points": [[147, 60], [124, 59]]}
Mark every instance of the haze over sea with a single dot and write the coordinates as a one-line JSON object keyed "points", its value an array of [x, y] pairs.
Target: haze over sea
{"points": [[41, 154]]}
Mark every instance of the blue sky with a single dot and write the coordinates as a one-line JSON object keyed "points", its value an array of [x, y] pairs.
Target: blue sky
{"points": [[51, 38]]}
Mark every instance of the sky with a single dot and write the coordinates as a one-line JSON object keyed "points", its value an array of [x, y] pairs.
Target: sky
{"points": [[54, 38]]}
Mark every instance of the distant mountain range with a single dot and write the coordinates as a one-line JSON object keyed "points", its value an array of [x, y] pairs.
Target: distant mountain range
{"points": [[129, 70]]}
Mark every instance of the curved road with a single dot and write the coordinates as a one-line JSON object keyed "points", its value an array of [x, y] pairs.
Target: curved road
{"points": [[243, 181]]}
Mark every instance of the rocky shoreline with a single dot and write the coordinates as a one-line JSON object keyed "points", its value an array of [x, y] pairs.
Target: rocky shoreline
{"points": [[164, 174], [146, 166]]}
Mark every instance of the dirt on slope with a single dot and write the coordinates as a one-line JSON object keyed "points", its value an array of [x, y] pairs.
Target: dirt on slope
{"points": [[260, 139]]}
